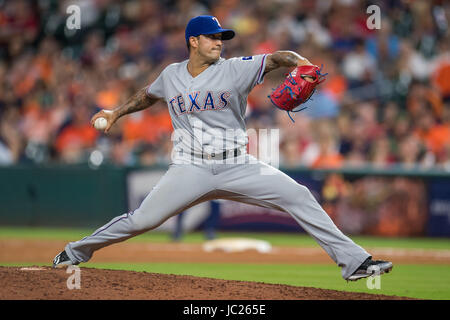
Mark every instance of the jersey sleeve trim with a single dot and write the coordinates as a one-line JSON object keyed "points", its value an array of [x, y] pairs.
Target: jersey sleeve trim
{"points": [[260, 77]]}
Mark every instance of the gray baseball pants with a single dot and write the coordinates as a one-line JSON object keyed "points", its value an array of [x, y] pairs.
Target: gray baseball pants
{"points": [[186, 185]]}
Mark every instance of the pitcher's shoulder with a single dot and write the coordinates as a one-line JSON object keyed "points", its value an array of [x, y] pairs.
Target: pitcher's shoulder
{"points": [[232, 59], [244, 59], [229, 62], [175, 66]]}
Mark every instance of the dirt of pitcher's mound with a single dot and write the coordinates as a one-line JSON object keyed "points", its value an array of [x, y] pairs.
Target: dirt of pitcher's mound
{"points": [[45, 283]]}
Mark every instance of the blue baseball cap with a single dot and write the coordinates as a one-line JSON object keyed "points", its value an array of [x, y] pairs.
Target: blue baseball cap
{"points": [[206, 25]]}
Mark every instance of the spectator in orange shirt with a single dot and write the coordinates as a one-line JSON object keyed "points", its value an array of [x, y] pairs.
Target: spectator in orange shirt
{"points": [[109, 97], [329, 156], [441, 73], [148, 126], [328, 160], [76, 136], [432, 134]]}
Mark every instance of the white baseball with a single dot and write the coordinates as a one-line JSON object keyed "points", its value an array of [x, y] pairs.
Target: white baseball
{"points": [[100, 123]]}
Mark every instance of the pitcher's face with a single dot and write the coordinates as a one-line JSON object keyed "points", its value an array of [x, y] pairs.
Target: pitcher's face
{"points": [[210, 46]]}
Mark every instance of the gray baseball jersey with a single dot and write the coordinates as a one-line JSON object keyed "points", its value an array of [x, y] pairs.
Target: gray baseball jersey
{"points": [[208, 111], [203, 108]]}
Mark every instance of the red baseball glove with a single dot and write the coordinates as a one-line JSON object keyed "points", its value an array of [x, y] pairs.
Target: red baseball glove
{"points": [[297, 88]]}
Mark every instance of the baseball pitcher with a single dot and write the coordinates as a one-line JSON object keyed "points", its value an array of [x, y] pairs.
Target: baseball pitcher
{"points": [[206, 97]]}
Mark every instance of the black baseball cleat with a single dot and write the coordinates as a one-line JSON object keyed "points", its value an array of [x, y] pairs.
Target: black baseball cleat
{"points": [[371, 267], [62, 259]]}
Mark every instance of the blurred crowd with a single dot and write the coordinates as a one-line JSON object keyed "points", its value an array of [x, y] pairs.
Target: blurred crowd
{"points": [[386, 100]]}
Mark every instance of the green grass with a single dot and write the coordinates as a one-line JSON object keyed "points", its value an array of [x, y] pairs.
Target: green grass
{"points": [[416, 281], [276, 239]]}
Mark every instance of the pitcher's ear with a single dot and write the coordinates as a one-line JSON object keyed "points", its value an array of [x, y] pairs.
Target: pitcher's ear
{"points": [[193, 41]]}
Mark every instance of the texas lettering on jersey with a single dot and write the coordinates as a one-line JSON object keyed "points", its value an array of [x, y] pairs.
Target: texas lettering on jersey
{"points": [[199, 101]]}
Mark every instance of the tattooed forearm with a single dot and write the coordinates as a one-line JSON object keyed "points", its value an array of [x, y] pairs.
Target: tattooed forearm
{"points": [[140, 101], [284, 59]]}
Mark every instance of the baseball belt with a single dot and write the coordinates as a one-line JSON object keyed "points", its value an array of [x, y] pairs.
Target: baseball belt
{"points": [[218, 156]]}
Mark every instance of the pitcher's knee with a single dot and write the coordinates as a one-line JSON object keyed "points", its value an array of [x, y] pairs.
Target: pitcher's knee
{"points": [[297, 194], [299, 191], [303, 190], [141, 222]]}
